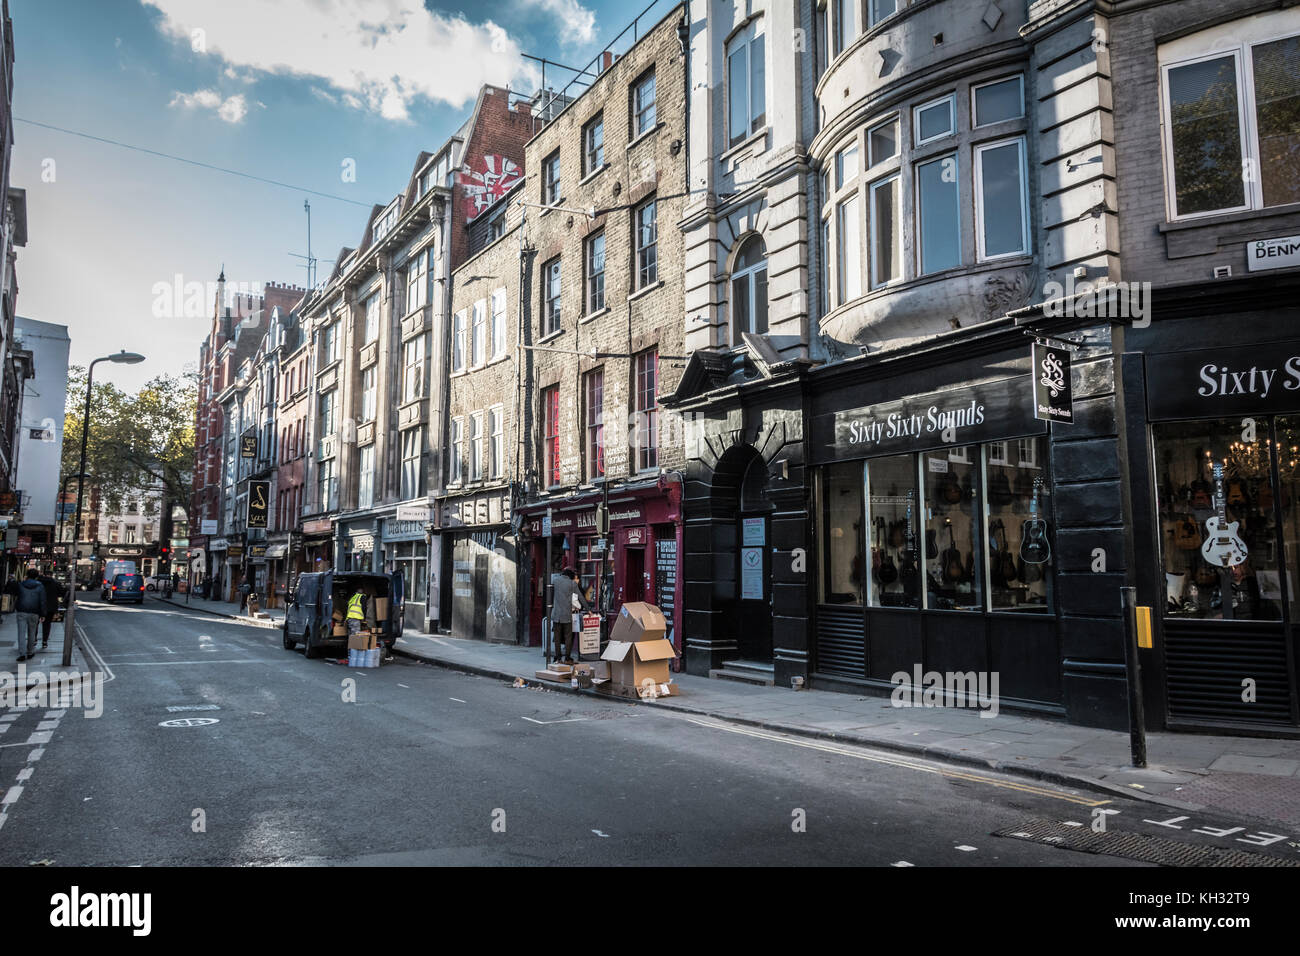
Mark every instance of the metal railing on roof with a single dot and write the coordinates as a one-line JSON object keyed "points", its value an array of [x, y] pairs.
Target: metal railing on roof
{"points": [[551, 103]]}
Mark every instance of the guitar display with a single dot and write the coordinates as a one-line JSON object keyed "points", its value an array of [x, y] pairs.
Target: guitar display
{"points": [[1034, 546], [888, 572], [1223, 546], [909, 573], [953, 569]]}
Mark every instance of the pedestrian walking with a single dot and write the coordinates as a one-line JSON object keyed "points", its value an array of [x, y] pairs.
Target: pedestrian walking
{"points": [[30, 605], [245, 589], [52, 591]]}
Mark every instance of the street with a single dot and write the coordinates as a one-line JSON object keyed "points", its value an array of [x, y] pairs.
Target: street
{"points": [[269, 764]]}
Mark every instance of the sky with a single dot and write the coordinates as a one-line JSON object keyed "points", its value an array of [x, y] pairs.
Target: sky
{"points": [[333, 96]]}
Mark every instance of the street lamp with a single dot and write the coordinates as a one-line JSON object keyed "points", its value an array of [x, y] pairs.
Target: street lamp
{"points": [[121, 358]]}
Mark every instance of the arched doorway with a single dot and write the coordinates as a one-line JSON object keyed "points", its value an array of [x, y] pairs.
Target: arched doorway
{"points": [[742, 536]]}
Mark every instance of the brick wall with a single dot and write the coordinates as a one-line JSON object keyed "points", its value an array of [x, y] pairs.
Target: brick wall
{"points": [[634, 319]]}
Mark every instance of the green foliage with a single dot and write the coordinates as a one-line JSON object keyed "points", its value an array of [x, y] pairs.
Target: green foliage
{"points": [[136, 441]]}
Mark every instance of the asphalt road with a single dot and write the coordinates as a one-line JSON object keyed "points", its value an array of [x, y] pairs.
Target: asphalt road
{"points": [[308, 762]]}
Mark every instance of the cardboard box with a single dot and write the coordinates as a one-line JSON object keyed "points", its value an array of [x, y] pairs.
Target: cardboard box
{"points": [[363, 641], [553, 675], [339, 613], [381, 609], [638, 621], [340, 629], [634, 664]]}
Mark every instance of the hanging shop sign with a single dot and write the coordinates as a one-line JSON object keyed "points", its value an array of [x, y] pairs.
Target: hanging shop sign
{"points": [[990, 411], [1053, 393], [259, 497], [1212, 383], [415, 513], [248, 446], [208, 526], [1282, 252]]}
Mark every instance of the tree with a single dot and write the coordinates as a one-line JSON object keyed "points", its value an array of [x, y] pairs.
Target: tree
{"points": [[137, 442]]}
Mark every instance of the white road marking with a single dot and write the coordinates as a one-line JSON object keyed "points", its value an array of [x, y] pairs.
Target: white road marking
{"points": [[53, 714], [40, 737], [13, 794], [47, 725], [24, 774], [1070, 823], [599, 834], [567, 720], [36, 755], [456, 699], [902, 863], [89, 650], [403, 685], [966, 849], [170, 663]]}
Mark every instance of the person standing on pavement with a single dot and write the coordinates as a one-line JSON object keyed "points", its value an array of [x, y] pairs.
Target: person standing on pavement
{"points": [[245, 589], [30, 605], [565, 592], [52, 591]]}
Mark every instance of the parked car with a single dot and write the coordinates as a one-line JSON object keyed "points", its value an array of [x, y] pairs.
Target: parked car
{"points": [[308, 617], [126, 587], [156, 582]]}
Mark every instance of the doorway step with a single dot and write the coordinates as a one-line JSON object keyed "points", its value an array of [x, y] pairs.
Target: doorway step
{"points": [[749, 672]]}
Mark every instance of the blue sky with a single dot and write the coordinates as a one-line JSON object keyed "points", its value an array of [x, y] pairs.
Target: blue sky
{"points": [[283, 89]]}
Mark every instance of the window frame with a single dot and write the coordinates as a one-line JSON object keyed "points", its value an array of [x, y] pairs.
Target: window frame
{"points": [[640, 110], [373, 308], [552, 180], [919, 212], [478, 334], [649, 426], [417, 286], [873, 282], [1026, 241], [593, 423], [951, 100], [646, 267], [974, 101], [458, 340], [549, 400], [475, 444], [552, 293], [745, 41], [497, 324], [456, 456], [593, 156], [872, 160], [496, 441], [749, 274], [369, 394], [591, 276], [1247, 124]]}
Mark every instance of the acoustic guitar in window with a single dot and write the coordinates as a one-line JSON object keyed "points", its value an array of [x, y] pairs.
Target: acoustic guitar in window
{"points": [[1034, 547], [1223, 546]]}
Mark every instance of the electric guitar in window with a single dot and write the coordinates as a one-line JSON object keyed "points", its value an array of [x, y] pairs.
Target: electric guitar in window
{"points": [[1223, 546], [1034, 546]]}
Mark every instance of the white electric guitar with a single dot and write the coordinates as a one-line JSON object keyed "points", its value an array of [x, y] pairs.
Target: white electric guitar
{"points": [[1223, 547]]}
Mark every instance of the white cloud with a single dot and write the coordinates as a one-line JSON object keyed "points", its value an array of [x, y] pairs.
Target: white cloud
{"points": [[232, 109], [379, 55], [576, 23]]}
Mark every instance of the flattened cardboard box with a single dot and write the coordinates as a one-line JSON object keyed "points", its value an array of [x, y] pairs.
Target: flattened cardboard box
{"points": [[632, 662], [638, 621]]}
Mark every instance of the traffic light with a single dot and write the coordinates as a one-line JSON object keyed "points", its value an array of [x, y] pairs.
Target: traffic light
{"points": [[164, 559]]}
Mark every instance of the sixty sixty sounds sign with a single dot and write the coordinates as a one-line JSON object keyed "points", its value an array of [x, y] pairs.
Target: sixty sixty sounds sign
{"points": [[1211, 382], [990, 411]]}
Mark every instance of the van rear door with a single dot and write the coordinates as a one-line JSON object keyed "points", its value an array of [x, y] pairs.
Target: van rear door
{"points": [[396, 603]]}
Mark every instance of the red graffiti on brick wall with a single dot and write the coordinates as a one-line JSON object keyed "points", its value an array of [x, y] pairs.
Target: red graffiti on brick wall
{"points": [[486, 185]]}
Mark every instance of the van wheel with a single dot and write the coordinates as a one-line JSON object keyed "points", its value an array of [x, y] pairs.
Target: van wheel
{"points": [[289, 642], [309, 652]]}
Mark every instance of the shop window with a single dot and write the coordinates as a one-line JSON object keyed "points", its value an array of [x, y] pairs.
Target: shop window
{"points": [[1019, 539], [591, 563], [1219, 510], [953, 559], [844, 571], [892, 520]]}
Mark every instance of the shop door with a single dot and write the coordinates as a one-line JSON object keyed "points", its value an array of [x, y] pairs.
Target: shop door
{"points": [[754, 589], [634, 575]]}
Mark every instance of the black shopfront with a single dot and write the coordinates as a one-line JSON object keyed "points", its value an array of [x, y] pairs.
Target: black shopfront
{"points": [[953, 531], [1217, 510]]}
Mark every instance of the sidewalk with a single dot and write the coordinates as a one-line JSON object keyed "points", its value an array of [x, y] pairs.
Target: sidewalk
{"points": [[37, 670], [221, 608], [1236, 776]]}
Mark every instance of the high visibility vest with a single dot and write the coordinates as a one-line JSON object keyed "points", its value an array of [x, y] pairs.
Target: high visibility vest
{"points": [[354, 608]]}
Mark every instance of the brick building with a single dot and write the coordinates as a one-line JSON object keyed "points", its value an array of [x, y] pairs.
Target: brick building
{"points": [[380, 332], [603, 332]]}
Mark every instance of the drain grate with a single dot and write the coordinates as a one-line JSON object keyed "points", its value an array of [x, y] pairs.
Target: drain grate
{"points": [[1136, 846]]}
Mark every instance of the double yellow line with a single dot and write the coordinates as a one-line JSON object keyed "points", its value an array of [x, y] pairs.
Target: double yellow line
{"points": [[893, 761]]}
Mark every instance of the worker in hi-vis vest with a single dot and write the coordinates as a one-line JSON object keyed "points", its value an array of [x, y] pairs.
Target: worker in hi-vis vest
{"points": [[356, 613]]}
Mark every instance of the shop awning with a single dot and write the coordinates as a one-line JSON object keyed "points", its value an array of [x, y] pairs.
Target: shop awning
{"points": [[277, 550]]}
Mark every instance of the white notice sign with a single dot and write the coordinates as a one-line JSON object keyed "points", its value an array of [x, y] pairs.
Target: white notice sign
{"points": [[751, 574], [1279, 253]]}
